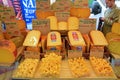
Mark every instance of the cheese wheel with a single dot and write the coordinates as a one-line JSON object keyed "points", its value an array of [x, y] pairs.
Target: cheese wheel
{"points": [[73, 23], [8, 52], [62, 25], [54, 41], [76, 40], [98, 38], [53, 22], [32, 38]]}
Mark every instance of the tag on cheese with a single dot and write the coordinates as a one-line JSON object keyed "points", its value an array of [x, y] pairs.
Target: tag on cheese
{"points": [[75, 38], [32, 38], [54, 40], [98, 38], [73, 23], [8, 52], [53, 22]]}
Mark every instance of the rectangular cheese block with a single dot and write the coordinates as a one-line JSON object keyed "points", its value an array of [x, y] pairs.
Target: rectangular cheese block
{"points": [[98, 38], [32, 38], [54, 41]]}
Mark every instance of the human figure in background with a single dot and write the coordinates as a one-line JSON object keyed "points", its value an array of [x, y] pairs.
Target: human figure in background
{"points": [[111, 15]]}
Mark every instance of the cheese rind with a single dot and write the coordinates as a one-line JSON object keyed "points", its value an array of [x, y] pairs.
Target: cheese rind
{"points": [[32, 38]]}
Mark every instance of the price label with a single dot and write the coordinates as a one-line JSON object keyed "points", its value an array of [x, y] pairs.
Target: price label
{"points": [[62, 16], [81, 3], [43, 25], [31, 54], [12, 28], [74, 53], [43, 4]]}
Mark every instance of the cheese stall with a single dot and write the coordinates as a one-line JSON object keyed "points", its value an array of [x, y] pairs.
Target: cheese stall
{"points": [[55, 41]]}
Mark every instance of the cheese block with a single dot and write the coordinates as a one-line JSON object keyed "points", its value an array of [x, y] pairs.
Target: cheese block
{"points": [[73, 23], [54, 41], [98, 38], [76, 40], [53, 22], [8, 52], [62, 25], [32, 38]]}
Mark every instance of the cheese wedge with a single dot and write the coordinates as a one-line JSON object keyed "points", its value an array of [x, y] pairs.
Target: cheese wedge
{"points": [[8, 52], [54, 41], [32, 38], [53, 22], [62, 25], [98, 38], [73, 23]]}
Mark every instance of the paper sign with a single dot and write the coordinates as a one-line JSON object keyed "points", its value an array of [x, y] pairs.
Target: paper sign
{"points": [[86, 25], [31, 54], [43, 4], [74, 53], [12, 28], [53, 51], [62, 5], [62, 16], [81, 4], [43, 25]]}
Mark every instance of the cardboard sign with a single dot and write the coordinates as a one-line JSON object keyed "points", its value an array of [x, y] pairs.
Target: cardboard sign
{"points": [[86, 25], [12, 28], [53, 51], [43, 4], [42, 24], [31, 54], [81, 4], [74, 53], [62, 16], [62, 5]]}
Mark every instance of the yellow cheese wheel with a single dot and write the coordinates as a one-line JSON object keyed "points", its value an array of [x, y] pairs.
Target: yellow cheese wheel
{"points": [[53, 23], [73, 23], [98, 38], [62, 25], [116, 28], [54, 41], [8, 51], [32, 38]]}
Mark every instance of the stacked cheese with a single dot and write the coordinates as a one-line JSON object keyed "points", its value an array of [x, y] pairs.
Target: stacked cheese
{"points": [[78, 67], [98, 38], [76, 40], [50, 65], [8, 52], [101, 66], [26, 69], [54, 41]]}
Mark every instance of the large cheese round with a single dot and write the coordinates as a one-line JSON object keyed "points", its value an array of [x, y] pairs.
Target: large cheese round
{"points": [[8, 52], [54, 41]]}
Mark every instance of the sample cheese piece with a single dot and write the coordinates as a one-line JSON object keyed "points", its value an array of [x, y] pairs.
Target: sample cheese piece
{"points": [[8, 52], [76, 39], [32, 38], [73, 23], [53, 22], [54, 41], [98, 38], [62, 25]]}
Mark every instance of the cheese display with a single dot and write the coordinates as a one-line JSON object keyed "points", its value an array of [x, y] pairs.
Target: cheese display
{"points": [[78, 67], [76, 40], [26, 69], [32, 38], [54, 41], [98, 38], [101, 66], [50, 65], [8, 52], [53, 23], [73, 23], [62, 25]]}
